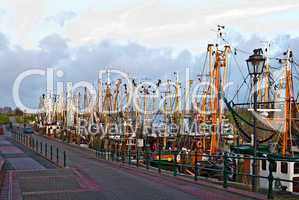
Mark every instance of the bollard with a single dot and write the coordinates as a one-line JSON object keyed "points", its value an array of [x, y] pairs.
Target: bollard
{"points": [[36, 144], [51, 152], [270, 177], [225, 165], [64, 159], [57, 155], [174, 163], [195, 167]]}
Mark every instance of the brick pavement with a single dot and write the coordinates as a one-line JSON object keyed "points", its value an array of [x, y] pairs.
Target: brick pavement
{"points": [[28, 178]]}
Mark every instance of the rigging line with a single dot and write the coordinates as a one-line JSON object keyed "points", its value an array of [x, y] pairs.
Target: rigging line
{"points": [[295, 68], [241, 50], [244, 81], [239, 68], [240, 117], [274, 58], [239, 126], [276, 68]]}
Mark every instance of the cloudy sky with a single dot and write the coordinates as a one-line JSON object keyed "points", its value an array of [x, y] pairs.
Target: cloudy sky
{"points": [[148, 38]]}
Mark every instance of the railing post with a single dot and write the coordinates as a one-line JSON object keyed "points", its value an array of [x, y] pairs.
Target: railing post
{"points": [[270, 177], [33, 144], [225, 165], [41, 147], [51, 152], [46, 150], [123, 156], [57, 155], [137, 157], [129, 156], [147, 158], [64, 159], [195, 166], [159, 162], [117, 153], [174, 163], [112, 153], [109, 153], [97, 152]]}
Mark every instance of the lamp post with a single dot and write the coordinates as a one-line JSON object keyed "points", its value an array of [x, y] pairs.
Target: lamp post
{"points": [[255, 64]]}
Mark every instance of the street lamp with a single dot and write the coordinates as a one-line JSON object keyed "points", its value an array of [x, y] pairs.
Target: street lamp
{"points": [[256, 62], [255, 65]]}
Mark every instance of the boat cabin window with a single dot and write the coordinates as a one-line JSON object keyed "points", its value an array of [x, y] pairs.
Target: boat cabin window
{"points": [[296, 168], [284, 167], [264, 165]]}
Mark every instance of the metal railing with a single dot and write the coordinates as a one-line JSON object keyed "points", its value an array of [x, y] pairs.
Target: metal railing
{"points": [[48, 151], [144, 158]]}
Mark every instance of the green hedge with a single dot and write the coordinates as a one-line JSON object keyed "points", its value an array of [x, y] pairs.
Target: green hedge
{"points": [[4, 119], [25, 119]]}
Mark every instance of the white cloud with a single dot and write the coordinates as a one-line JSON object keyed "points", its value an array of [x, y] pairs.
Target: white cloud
{"points": [[151, 23], [62, 17], [250, 12]]}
